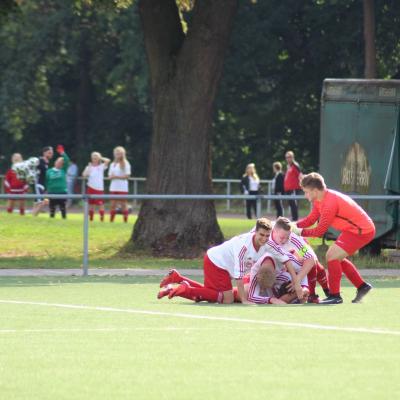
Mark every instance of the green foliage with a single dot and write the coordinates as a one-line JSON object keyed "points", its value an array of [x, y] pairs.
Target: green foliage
{"points": [[269, 95]]}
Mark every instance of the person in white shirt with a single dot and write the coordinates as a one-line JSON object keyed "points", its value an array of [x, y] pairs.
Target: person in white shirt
{"points": [[94, 172], [119, 172], [305, 263], [232, 259], [250, 184], [311, 268]]}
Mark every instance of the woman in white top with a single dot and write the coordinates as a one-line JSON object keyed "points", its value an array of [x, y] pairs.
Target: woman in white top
{"points": [[250, 184], [119, 172], [94, 172]]}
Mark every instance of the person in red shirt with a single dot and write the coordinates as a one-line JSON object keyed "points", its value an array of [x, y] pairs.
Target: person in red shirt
{"points": [[291, 182], [13, 185], [339, 211]]}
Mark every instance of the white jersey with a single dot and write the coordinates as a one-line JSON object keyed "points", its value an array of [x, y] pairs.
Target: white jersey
{"points": [[237, 255], [95, 174], [119, 185]]}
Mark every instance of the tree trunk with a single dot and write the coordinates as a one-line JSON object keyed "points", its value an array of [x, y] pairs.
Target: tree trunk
{"points": [[184, 73], [369, 39]]}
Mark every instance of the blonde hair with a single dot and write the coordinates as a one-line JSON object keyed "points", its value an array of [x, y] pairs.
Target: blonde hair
{"points": [[95, 153], [251, 165], [16, 155], [123, 162], [266, 276], [277, 165]]}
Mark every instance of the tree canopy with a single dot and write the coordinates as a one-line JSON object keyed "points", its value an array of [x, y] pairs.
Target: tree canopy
{"points": [[76, 73]]}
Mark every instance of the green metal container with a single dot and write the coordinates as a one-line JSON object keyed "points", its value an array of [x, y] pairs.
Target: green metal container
{"points": [[360, 147]]}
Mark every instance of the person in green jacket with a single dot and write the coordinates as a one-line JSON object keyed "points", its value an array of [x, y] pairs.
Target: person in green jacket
{"points": [[56, 182]]}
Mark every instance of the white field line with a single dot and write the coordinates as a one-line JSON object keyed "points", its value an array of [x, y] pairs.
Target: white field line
{"points": [[79, 330], [378, 331]]}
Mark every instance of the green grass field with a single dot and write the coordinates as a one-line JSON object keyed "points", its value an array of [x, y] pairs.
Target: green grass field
{"points": [[29, 242], [120, 342]]}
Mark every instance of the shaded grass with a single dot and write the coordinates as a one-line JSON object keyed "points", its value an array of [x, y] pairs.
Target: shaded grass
{"points": [[41, 242]]}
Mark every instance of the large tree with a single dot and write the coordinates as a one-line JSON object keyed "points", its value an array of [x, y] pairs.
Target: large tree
{"points": [[369, 39], [185, 68]]}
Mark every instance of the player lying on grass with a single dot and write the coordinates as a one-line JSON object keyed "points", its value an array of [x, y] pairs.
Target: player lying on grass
{"points": [[339, 211], [303, 252], [270, 283], [230, 260]]}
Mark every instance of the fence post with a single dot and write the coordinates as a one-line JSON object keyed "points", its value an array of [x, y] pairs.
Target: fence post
{"points": [[83, 188], [135, 187], [228, 192], [269, 193], [258, 206], [85, 263]]}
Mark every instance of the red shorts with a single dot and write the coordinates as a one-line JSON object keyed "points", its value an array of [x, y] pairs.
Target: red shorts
{"points": [[216, 278], [116, 192], [351, 242], [95, 202]]}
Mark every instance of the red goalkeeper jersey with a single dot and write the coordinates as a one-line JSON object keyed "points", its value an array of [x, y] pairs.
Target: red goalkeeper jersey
{"points": [[338, 211]]}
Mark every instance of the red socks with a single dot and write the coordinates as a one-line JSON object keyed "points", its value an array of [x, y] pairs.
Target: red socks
{"points": [[22, 211], [9, 210], [312, 280], [191, 282], [101, 212], [321, 276], [334, 277], [91, 214], [112, 215], [126, 213], [203, 294], [351, 272]]}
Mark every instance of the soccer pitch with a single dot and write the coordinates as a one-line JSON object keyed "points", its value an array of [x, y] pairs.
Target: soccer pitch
{"points": [[110, 338]]}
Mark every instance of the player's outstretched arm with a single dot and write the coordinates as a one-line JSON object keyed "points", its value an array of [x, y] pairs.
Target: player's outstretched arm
{"points": [[295, 280], [242, 292]]}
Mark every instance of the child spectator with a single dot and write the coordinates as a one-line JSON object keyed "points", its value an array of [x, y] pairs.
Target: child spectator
{"points": [[94, 172], [13, 185], [56, 182], [277, 187], [119, 172]]}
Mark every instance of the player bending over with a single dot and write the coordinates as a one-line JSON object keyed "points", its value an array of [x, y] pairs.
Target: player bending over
{"points": [[335, 209], [303, 252], [232, 259]]}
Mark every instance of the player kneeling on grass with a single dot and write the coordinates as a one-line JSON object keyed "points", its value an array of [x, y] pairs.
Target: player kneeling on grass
{"points": [[232, 259], [269, 286], [303, 252]]}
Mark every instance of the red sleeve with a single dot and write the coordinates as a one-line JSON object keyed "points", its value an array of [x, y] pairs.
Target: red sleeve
{"points": [[328, 214], [7, 183], [311, 218]]}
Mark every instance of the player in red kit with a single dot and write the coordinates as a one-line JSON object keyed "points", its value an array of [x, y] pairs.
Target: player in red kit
{"points": [[291, 182], [339, 211]]}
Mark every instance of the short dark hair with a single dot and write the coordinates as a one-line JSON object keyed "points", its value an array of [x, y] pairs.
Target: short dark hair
{"points": [[263, 223], [46, 148], [282, 223], [313, 181]]}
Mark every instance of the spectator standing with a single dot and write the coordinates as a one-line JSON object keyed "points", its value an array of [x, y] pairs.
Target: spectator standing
{"points": [[278, 187], [250, 184], [56, 182], [72, 174], [94, 172], [292, 182], [13, 185], [40, 184], [119, 172]]}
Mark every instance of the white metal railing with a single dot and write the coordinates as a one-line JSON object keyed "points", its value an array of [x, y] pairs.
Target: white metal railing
{"points": [[134, 186], [86, 198]]}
